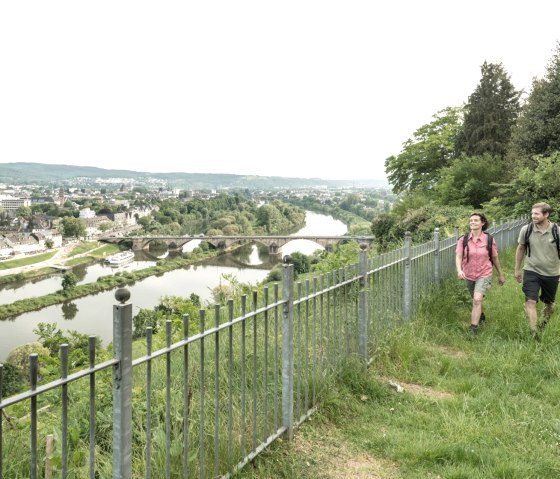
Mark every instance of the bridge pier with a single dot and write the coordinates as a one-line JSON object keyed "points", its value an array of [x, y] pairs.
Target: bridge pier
{"points": [[138, 244]]}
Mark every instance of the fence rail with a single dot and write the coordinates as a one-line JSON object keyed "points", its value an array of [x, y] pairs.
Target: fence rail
{"points": [[221, 388]]}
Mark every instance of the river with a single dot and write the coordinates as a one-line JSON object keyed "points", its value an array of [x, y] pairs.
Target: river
{"points": [[92, 315]]}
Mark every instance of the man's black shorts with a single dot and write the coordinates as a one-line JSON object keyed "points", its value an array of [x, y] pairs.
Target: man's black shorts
{"points": [[533, 282]]}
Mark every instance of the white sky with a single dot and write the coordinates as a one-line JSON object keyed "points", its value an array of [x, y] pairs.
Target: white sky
{"points": [[293, 88]]}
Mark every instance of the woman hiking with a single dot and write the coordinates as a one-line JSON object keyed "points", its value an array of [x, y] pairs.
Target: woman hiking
{"points": [[475, 256]]}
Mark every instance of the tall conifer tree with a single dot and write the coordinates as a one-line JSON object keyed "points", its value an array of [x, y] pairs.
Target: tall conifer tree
{"points": [[490, 114]]}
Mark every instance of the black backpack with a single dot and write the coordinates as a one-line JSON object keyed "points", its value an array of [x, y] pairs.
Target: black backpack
{"points": [[489, 246], [555, 236]]}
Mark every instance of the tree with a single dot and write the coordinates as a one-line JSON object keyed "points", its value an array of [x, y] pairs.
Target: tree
{"points": [[301, 262], [73, 227], [470, 180], [432, 148], [105, 226], [490, 114], [530, 185], [19, 357], [538, 131], [49, 243], [144, 319], [4, 217], [13, 380], [69, 281], [24, 212]]}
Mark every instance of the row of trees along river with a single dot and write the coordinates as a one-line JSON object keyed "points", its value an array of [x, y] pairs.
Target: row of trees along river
{"points": [[92, 315]]}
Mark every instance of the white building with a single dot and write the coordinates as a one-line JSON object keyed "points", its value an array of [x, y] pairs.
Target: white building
{"points": [[87, 213], [11, 203]]}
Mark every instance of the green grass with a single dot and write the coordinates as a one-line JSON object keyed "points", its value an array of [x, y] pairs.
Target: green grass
{"points": [[486, 407], [471, 408], [27, 260], [95, 247]]}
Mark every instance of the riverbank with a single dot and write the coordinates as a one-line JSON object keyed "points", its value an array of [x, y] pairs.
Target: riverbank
{"points": [[104, 283], [51, 262], [87, 314]]}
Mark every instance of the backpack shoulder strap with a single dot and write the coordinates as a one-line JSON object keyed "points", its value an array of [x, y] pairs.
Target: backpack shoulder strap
{"points": [[556, 237], [489, 246], [466, 245], [528, 232]]}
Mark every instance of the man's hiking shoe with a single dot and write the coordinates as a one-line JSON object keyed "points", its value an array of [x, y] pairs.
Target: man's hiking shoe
{"points": [[482, 319], [536, 336], [542, 325], [473, 329]]}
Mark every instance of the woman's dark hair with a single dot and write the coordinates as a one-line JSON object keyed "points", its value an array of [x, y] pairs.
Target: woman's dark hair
{"points": [[483, 219]]}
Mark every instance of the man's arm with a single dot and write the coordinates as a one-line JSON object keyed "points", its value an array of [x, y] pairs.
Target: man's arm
{"points": [[519, 253]]}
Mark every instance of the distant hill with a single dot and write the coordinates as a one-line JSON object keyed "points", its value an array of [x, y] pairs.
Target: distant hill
{"points": [[41, 173]]}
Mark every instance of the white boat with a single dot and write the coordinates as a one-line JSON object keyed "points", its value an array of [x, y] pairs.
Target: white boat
{"points": [[121, 258]]}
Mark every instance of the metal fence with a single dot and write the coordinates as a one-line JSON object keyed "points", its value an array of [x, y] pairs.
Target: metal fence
{"points": [[206, 397]]}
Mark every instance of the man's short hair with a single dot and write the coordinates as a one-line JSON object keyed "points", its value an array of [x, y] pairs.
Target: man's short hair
{"points": [[544, 207]]}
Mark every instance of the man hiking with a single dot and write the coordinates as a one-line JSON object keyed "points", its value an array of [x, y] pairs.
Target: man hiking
{"points": [[539, 245]]}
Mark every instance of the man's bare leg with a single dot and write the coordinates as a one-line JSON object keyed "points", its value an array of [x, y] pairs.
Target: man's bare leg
{"points": [[531, 310]]}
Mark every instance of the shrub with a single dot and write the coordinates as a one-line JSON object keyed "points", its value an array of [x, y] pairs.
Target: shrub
{"points": [[13, 379], [19, 357]]}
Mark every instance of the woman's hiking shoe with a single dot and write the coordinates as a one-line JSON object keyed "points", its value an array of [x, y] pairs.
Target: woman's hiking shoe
{"points": [[482, 319], [473, 329]]}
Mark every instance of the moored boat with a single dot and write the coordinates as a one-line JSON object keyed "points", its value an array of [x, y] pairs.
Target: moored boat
{"points": [[121, 258]]}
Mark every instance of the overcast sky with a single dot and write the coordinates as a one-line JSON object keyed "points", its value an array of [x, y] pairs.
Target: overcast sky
{"points": [[293, 88]]}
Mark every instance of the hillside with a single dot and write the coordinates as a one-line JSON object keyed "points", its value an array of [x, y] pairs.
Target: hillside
{"points": [[25, 173]]}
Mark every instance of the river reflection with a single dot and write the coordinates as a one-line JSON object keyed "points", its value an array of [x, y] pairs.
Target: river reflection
{"points": [[93, 315]]}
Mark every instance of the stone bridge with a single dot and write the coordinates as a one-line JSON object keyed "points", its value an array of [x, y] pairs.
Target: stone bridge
{"points": [[226, 243]]}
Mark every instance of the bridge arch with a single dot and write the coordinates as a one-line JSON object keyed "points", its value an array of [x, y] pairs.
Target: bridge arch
{"points": [[274, 243]]}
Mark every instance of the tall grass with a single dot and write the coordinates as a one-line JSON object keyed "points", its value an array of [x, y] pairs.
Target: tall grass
{"points": [[240, 390], [486, 407], [482, 408]]}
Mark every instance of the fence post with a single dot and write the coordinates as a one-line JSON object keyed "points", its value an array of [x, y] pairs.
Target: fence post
{"points": [[407, 293], [288, 349], [436, 255], [122, 386], [501, 240], [362, 306]]}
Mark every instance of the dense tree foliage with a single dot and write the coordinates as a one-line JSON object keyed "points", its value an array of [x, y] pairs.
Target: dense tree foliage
{"points": [[471, 180], [69, 281], [502, 158], [225, 214], [73, 227], [418, 165], [419, 215], [538, 131]]}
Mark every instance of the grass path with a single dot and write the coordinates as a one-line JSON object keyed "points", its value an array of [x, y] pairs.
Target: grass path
{"points": [[486, 407]]}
